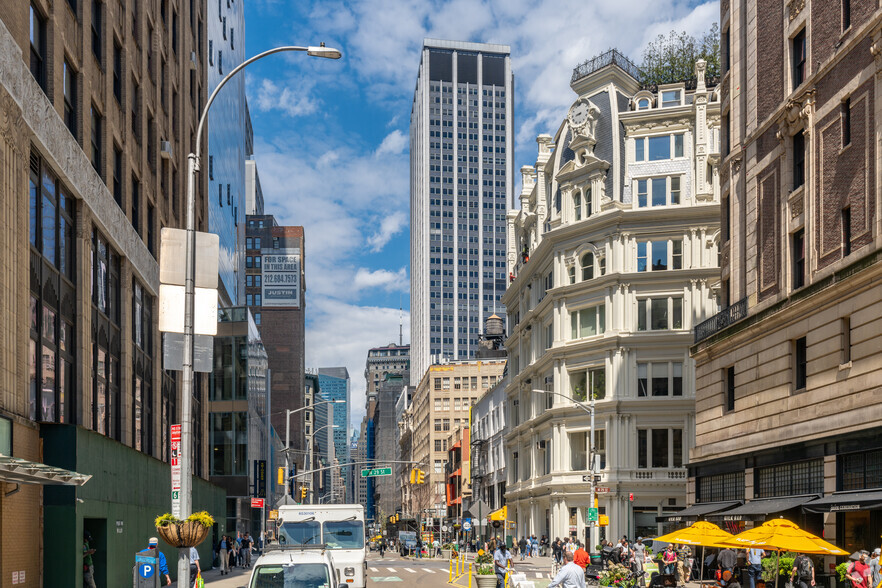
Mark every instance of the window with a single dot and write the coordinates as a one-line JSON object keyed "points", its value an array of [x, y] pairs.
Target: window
{"points": [[659, 314], [729, 382], [789, 479], [578, 451], [653, 255], [96, 140], [592, 380], [798, 159], [670, 98], [800, 363], [678, 145], [659, 448], [724, 52], [859, 471], [104, 412], [660, 379], [446, 402], [136, 205], [117, 72], [587, 322], [725, 134], [798, 58], [577, 205], [798, 240], [117, 175], [846, 14], [845, 340], [229, 440], [257, 318], [38, 47], [249, 243], [640, 150], [846, 120], [659, 189], [677, 254], [96, 30], [587, 263], [642, 191], [675, 189], [70, 99], [720, 487], [659, 148], [643, 104], [257, 243], [846, 231], [151, 229], [660, 195]]}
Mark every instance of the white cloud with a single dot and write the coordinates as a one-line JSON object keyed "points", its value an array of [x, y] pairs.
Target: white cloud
{"points": [[293, 102], [381, 278], [390, 225], [393, 144], [340, 334]]}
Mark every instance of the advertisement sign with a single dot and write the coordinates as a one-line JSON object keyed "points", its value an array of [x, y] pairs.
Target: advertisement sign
{"points": [[280, 278], [260, 478], [176, 469]]}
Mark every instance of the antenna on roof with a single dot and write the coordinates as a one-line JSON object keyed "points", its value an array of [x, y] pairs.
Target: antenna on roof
{"points": [[400, 324]]}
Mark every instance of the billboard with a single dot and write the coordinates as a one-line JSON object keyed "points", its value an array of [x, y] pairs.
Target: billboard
{"points": [[280, 278]]}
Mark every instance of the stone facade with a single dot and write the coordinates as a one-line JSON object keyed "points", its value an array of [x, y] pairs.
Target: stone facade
{"points": [[612, 260], [787, 374]]}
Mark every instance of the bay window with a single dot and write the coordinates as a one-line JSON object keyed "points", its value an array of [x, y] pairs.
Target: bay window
{"points": [[588, 322], [659, 314]]}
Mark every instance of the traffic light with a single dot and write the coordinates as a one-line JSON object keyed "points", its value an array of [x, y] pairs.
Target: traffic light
{"points": [[631, 496], [291, 483], [303, 492], [281, 476], [421, 477], [596, 502], [413, 476]]}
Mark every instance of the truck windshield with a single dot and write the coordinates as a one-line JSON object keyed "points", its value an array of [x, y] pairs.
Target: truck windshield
{"points": [[303, 533], [344, 534], [291, 576]]}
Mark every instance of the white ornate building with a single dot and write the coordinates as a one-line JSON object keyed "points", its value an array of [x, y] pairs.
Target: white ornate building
{"points": [[613, 257]]}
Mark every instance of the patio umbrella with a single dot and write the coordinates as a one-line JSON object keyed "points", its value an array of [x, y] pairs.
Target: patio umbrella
{"points": [[699, 533], [781, 535]]}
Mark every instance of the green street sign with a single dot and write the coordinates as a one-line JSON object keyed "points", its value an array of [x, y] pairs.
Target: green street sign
{"points": [[592, 515], [376, 472]]}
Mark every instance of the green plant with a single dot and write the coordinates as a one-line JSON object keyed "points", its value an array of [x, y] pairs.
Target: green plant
{"points": [[618, 576], [165, 520], [201, 517], [671, 58], [785, 565], [484, 563], [649, 551], [842, 570]]}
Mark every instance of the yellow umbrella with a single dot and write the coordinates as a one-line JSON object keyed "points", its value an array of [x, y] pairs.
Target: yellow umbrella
{"points": [[781, 535], [698, 533]]}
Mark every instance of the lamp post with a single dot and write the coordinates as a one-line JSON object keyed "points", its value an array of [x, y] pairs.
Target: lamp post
{"points": [[193, 165], [288, 414], [312, 443], [589, 408]]}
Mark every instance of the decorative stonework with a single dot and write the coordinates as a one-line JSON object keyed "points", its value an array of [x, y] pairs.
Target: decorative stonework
{"points": [[11, 123], [798, 116], [797, 207], [795, 7]]}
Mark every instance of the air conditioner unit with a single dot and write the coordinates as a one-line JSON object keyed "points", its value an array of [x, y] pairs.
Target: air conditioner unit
{"points": [[165, 149]]}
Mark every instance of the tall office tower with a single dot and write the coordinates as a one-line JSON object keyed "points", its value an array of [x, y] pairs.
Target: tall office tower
{"points": [[275, 291], [98, 104], [335, 385], [226, 151], [461, 177], [381, 361]]}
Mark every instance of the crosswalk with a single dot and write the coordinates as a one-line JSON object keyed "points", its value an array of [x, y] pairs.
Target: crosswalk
{"points": [[539, 575]]}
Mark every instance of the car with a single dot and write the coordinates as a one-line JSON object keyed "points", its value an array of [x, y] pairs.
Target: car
{"points": [[301, 566]]}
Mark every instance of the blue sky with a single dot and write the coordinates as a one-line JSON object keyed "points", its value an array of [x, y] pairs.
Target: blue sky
{"points": [[331, 137]]}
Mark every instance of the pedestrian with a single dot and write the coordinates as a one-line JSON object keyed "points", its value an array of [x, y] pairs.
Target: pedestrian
{"points": [[224, 551], [419, 548], [581, 557], [670, 559], [727, 559], [555, 550], [88, 564], [639, 560], [501, 562], [522, 547], [153, 544], [804, 571], [754, 566], [875, 572], [246, 547], [437, 545], [195, 569], [240, 557], [382, 546], [535, 547], [683, 569], [569, 576]]}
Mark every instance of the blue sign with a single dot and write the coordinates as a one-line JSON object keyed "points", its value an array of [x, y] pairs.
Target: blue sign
{"points": [[146, 570]]}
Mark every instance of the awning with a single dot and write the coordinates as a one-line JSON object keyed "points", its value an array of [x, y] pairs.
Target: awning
{"points": [[15, 470], [696, 511], [758, 510], [845, 501], [457, 473], [457, 445], [499, 515]]}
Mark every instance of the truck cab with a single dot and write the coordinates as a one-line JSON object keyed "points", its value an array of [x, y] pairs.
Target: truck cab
{"points": [[294, 567]]}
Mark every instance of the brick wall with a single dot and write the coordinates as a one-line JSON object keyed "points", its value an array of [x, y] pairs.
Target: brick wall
{"points": [[770, 57], [769, 235], [21, 517]]}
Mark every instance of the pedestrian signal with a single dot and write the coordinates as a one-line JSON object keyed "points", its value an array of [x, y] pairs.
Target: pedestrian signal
{"points": [[631, 496]]}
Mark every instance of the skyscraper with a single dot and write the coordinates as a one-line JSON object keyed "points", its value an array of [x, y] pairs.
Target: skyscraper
{"points": [[334, 383], [461, 141]]}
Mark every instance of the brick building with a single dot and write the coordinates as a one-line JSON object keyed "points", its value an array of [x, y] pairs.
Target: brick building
{"points": [[787, 374], [98, 105]]}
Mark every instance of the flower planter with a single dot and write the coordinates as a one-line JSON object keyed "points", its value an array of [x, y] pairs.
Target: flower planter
{"points": [[184, 534], [447, 553], [485, 580]]}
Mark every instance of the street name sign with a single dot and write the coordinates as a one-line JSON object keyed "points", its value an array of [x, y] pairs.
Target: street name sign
{"points": [[592, 515], [601, 490], [376, 472]]}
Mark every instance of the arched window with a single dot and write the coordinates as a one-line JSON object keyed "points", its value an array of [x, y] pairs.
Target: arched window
{"points": [[643, 104], [577, 205], [587, 266]]}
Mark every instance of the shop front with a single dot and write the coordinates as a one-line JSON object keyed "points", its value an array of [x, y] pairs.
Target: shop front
{"points": [[858, 517]]}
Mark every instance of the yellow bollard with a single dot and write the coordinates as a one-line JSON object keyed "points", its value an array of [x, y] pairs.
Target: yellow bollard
{"points": [[450, 566], [470, 575]]}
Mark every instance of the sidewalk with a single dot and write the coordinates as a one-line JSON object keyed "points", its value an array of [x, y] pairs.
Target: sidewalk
{"points": [[238, 578]]}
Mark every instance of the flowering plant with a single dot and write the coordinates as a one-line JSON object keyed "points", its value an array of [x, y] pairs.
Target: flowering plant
{"points": [[484, 563], [617, 575]]}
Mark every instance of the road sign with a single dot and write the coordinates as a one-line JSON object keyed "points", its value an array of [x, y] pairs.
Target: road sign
{"points": [[376, 472], [176, 469], [146, 570], [257, 502], [601, 490], [467, 526], [444, 528], [273, 515], [592, 515]]}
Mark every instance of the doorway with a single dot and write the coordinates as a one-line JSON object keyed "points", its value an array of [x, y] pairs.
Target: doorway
{"points": [[97, 528]]}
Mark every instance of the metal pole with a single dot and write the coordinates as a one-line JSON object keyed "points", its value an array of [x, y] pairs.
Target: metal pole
{"points": [[592, 526], [331, 435], [269, 448], [287, 444], [186, 492]]}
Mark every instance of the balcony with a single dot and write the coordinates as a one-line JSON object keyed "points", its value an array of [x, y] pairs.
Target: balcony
{"points": [[611, 57], [721, 320]]}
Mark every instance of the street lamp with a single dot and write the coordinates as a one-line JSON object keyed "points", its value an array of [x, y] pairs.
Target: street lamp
{"points": [[312, 443], [193, 165], [589, 408]]}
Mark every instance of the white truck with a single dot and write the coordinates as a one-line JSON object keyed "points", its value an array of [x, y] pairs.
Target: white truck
{"points": [[338, 526]]}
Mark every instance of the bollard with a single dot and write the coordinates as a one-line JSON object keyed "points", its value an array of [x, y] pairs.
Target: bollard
{"points": [[470, 575], [450, 568]]}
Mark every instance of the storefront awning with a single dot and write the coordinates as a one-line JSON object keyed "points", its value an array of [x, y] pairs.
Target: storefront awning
{"points": [[696, 511], [758, 510], [457, 445], [845, 501], [457, 473], [15, 470]]}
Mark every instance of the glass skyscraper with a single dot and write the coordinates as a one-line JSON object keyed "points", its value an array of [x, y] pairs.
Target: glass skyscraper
{"points": [[461, 174], [334, 385]]}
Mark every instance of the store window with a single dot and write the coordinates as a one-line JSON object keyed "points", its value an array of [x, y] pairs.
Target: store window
{"points": [[859, 471], [789, 479]]}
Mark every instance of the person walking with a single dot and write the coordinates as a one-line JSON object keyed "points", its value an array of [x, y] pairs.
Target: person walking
{"points": [[501, 562], [581, 557], [754, 566], [727, 559], [670, 559], [382, 546], [569, 576], [803, 574], [195, 568], [522, 547], [437, 545], [246, 547], [88, 564], [224, 555], [555, 550], [639, 560], [153, 543], [240, 557], [875, 571], [535, 547]]}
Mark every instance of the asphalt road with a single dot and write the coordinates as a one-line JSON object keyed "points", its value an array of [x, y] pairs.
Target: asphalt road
{"points": [[393, 570]]}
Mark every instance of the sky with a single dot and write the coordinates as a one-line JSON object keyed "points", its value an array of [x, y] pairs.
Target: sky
{"points": [[331, 137]]}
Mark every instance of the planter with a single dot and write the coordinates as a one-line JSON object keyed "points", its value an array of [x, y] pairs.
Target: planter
{"points": [[447, 553], [485, 580], [184, 534]]}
